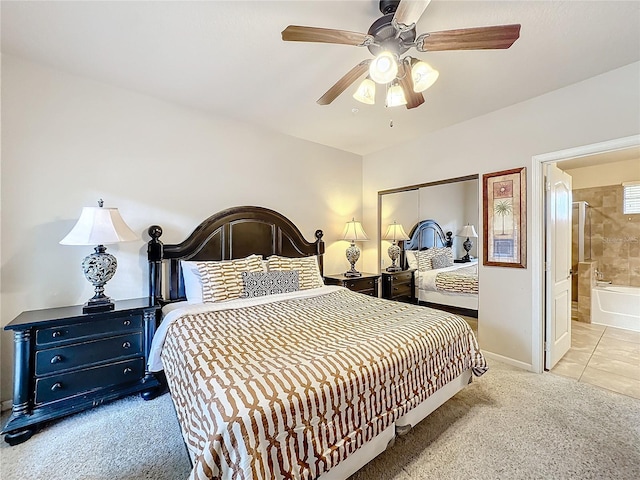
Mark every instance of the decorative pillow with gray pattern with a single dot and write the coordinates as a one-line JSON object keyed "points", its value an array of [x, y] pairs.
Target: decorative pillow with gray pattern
{"points": [[441, 261], [259, 284]]}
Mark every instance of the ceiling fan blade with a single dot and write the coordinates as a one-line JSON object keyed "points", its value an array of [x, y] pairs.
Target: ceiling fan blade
{"points": [[342, 84], [478, 38], [414, 99], [409, 12], [297, 33]]}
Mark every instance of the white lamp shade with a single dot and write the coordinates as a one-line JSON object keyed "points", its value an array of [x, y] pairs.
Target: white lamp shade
{"points": [[383, 68], [467, 231], [423, 76], [395, 96], [366, 92], [395, 232], [99, 226], [354, 232]]}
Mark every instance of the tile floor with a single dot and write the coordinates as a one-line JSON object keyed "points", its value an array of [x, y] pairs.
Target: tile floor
{"points": [[606, 357]]}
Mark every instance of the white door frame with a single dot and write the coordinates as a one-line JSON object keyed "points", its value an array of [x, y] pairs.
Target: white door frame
{"points": [[538, 231]]}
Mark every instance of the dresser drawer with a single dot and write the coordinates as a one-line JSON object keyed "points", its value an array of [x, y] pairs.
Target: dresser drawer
{"points": [[401, 290], [400, 278], [57, 387], [93, 328], [63, 358], [361, 284]]}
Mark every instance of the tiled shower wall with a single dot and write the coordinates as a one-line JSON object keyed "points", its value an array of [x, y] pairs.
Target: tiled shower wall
{"points": [[615, 238]]}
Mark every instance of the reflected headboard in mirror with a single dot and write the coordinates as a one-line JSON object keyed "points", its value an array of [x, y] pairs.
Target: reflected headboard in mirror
{"points": [[426, 234]]}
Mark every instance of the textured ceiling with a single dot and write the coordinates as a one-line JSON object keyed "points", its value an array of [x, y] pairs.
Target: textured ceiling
{"points": [[228, 58]]}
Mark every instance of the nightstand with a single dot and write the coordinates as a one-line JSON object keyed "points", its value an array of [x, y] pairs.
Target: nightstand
{"points": [[66, 361], [460, 260], [367, 283], [399, 286]]}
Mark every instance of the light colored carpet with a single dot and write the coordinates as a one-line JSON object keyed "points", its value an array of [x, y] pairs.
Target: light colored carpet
{"points": [[508, 424]]}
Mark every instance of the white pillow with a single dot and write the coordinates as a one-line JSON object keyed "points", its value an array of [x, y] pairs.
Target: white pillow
{"points": [[192, 281], [412, 260]]}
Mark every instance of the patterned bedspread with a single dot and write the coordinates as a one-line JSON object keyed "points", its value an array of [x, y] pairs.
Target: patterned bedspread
{"points": [[462, 280], [289, 389]]}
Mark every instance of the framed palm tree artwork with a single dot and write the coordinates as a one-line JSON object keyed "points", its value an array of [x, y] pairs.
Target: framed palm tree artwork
{"points": [[505, 218]]}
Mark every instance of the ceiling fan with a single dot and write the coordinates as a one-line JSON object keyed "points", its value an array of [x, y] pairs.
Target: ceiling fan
{"points": [[387, 39]]}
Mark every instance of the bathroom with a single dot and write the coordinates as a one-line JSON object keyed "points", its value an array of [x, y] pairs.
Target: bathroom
{"points": [[606, 240]]}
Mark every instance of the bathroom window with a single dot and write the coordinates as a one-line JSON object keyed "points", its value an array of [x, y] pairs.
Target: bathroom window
{"points": [[631, 202]]}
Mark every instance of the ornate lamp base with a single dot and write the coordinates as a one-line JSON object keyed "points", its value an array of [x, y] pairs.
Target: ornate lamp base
{"points": [[394, 253], [99, 268], [353, 254], [467, 246]]}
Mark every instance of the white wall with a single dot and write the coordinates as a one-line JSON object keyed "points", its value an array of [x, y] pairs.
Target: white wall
{"points": [[449, 204], [67, 141], [601, 108], [613, 173]]}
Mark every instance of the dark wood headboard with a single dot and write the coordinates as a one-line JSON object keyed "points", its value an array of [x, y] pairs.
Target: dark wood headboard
{"points": [[233, 233]]}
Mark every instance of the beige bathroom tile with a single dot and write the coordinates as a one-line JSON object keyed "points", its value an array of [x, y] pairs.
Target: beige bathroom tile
{"points": [[622, 334], [589, 327], [577, 356], [619, 349], [611, 381], [569, 368], [616, 366]]}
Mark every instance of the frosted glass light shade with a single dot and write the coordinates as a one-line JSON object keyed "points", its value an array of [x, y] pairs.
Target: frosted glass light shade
{"points": [[383, 68], [99, 226], [366, 92], [467, 231], [354, 232], [395, 232], [395, 96], [423, 76]]}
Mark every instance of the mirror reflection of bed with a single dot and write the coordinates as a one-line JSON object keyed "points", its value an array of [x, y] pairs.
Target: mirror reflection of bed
{"points": [[428, 212]]}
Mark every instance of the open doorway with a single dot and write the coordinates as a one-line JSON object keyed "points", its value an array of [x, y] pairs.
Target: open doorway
{"points": [[602, 161]]}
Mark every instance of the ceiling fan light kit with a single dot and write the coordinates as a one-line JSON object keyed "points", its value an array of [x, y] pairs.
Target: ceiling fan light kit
{"points": [[423, 75], [395, 96], [391, 36], [366, 92], [384, 68]]}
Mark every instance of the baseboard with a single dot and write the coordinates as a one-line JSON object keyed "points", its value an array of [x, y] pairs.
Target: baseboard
{"points": [[509, 361]]}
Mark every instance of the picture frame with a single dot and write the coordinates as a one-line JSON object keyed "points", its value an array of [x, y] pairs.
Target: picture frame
{"points": [[504, 208]]}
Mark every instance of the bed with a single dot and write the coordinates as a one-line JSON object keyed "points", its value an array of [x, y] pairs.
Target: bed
{"points": [[307, 383], [451, 286]]}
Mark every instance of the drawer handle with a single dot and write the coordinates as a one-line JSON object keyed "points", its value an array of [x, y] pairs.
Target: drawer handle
{"points": [[56, 386], [57, 334], [126, 345], [57, 359], [127, 370], [127, 322], [352, 285]]}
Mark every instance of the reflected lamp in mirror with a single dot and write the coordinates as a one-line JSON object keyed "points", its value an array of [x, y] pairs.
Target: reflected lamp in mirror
{"points": [[395, 233], [99, 226], [353, 232], [469, 232]]}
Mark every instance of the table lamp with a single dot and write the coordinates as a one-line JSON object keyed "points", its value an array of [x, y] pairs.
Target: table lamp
{"points": [[99, 226], [394, 233], [353, 232]]}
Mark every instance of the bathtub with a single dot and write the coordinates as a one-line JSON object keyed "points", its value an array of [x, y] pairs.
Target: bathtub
{"points": [[616, 306]]}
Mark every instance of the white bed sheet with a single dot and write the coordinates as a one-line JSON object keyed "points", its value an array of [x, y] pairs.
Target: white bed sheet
{"points": [[427, 278], [426, 291]]}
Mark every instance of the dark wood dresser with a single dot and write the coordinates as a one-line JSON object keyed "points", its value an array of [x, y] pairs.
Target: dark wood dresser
{"points": [[66, 361], [367, 283], [399, 286]]}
